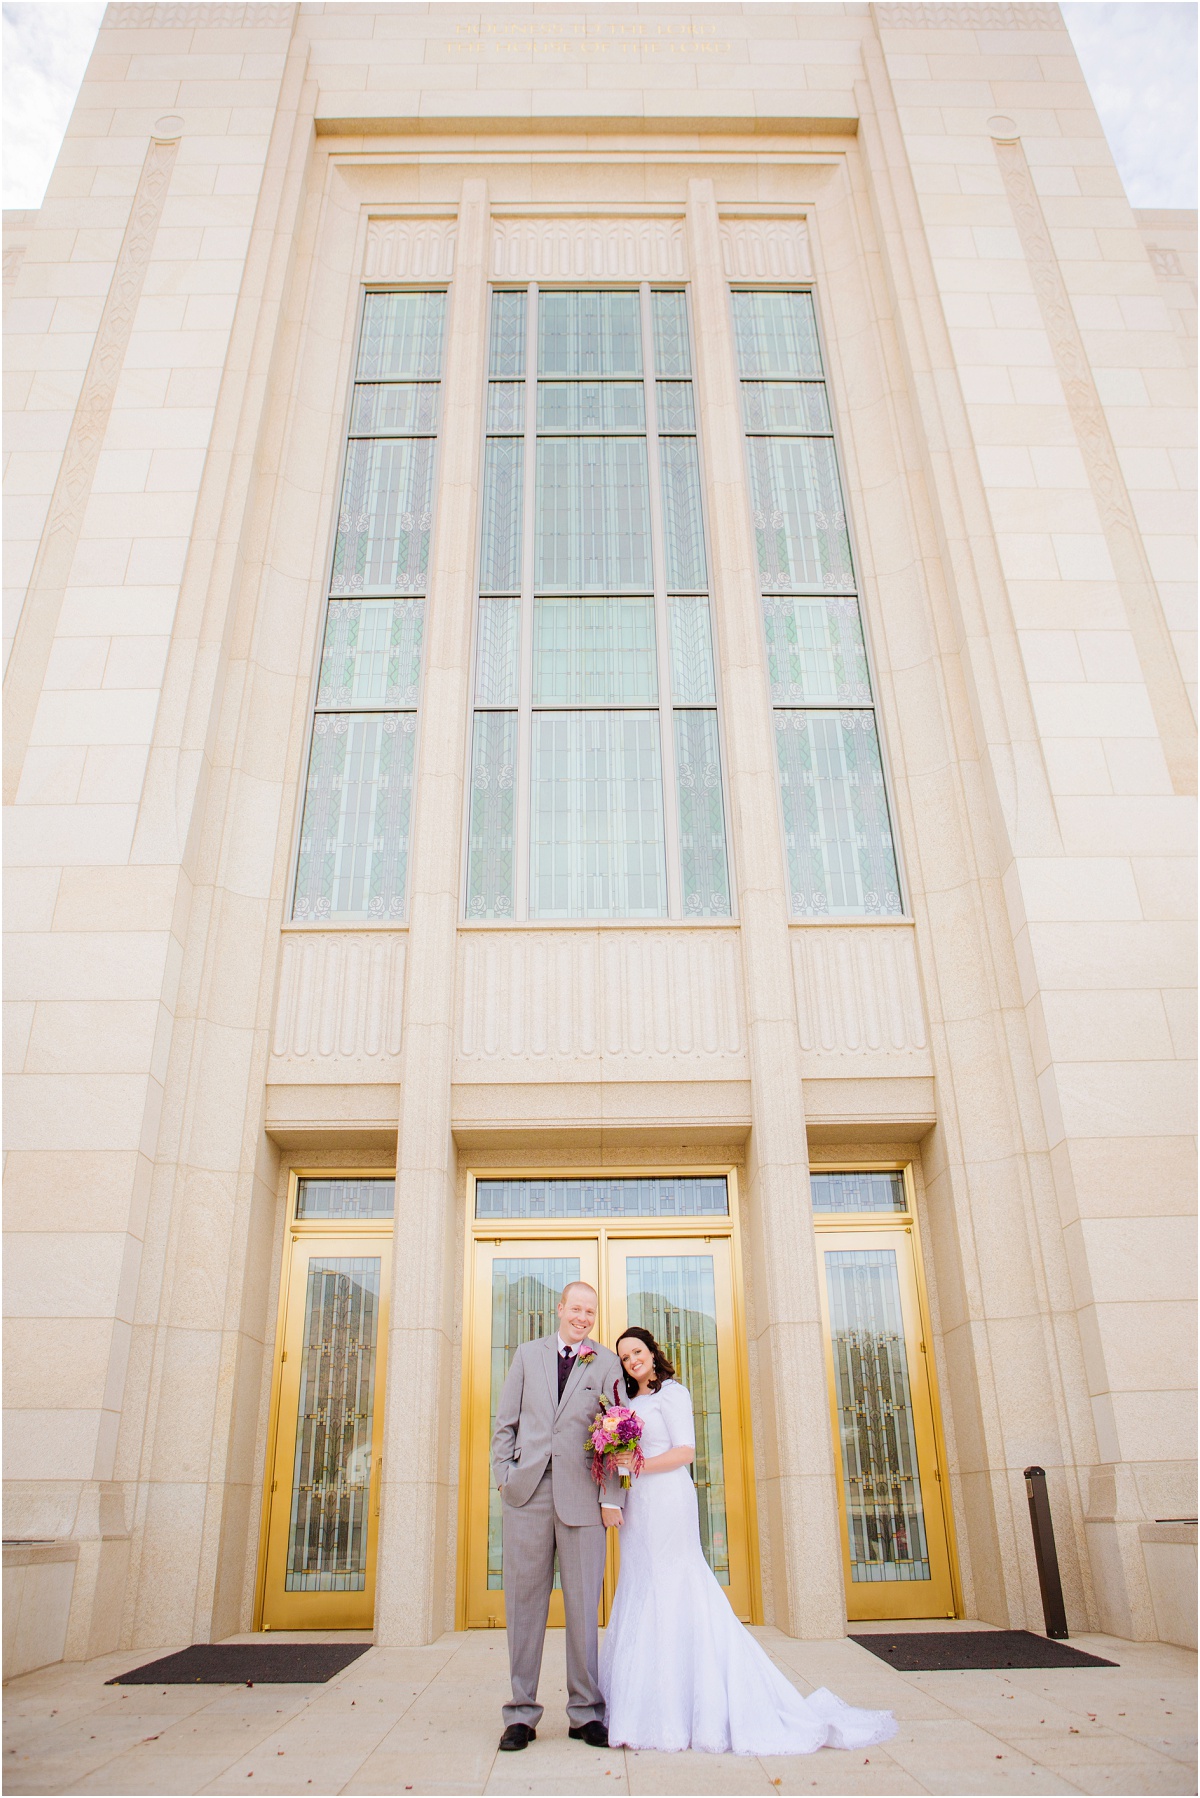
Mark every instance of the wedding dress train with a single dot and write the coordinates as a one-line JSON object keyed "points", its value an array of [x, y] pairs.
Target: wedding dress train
{"points": [[677, 1669]]}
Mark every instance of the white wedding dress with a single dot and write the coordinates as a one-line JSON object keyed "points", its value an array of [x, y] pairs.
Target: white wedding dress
{"points": [[677, 1669]]}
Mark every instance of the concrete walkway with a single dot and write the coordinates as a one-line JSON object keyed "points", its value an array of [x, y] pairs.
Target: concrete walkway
{"points": [[428, 1720]]}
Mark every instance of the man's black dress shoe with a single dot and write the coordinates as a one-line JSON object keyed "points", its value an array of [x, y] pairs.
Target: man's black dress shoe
{"points": [[518, 1735], [595, 1734]]}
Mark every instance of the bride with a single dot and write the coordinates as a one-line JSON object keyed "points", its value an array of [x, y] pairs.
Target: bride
{"points": [[677, 1669]]}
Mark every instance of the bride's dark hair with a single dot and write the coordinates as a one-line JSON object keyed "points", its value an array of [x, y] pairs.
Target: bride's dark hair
{"points": [[662, 1367]]}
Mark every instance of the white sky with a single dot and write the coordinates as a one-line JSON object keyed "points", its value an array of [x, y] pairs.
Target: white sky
{"points": [[1139, 57]]}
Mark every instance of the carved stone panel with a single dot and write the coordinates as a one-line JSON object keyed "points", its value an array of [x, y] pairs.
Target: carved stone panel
{"points": [[410, 249], [765, 249], [587, 249], [340, 1007], [858, 1001]]}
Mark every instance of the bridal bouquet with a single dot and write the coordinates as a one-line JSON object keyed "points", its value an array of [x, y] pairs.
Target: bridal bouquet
{"points": [[616, 1431]]}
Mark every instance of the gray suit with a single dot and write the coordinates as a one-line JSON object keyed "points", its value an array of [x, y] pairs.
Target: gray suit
{"points": [[551, 1502]]}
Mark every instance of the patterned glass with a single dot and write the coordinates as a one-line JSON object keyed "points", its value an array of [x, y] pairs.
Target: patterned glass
{"points": [[683, 514], [525, 1295], [400, 409], [386, 511], [703, 867], [497, 655], [858, 1192], [491, 839], [582, 334], [349, 1201], [503, 487], [837, 835], [672, 349], [676, 406], [574, 406], [799, 523], [815, 651], [372, 652], [506, 406], [674, 1297], [594, 652], [693, 679], [702, 1195], [331, 1477], [402, 337], [776, 335], [596, 846], [506, 359], [354, 834], [786, 406], [884, 1508], [592, 516]]}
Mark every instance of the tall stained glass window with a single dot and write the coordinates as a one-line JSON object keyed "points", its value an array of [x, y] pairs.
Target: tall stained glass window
{"points": [[353, 859], [840, 854], [596, 786]]}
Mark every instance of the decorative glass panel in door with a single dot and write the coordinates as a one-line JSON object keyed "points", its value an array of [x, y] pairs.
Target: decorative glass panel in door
{"points": [[321, 1531], [894, 1534], [682, 1292], [517, 1289]]}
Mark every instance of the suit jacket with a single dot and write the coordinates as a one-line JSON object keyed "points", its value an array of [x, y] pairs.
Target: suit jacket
{"points": [[534, 1427]]}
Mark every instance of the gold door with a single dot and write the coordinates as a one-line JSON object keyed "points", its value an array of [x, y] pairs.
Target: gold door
{"points": [[895, 1527], [323, 1492]]}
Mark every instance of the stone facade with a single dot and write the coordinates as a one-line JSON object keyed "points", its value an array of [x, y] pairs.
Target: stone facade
{"points": [[1011, 353]]}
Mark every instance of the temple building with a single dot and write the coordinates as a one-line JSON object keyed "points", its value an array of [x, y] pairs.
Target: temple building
{"points": [[597, 626]]}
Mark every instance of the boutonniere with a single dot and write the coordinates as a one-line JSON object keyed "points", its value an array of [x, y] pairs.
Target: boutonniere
{"points": [[587, 1352]]}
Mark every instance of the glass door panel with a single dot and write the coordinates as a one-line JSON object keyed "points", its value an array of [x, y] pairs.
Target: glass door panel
{"points": [[681, 1290], [516, 1291], [322, 1523], [894, 1536]]}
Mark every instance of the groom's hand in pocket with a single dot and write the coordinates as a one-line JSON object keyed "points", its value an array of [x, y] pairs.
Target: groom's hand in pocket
{"points": [[612, 1516]]}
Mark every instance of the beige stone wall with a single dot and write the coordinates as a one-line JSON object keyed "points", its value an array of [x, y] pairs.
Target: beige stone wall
{"points": [[1007, 365]]}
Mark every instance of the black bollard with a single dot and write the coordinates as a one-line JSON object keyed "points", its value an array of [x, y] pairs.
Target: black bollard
{"points": [[1053, 1608]]}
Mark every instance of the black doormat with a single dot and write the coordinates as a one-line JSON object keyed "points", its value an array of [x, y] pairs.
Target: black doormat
{"points": [[246, 1664], [948, 1651]]}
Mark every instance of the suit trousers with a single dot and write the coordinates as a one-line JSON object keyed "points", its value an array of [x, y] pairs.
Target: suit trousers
{"points": [[532, 1533]]}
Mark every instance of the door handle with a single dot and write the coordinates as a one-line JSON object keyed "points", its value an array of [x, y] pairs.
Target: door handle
{"points": [[376, 1478]]}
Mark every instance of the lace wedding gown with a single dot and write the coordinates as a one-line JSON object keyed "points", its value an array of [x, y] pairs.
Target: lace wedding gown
{"points": [[677, 1669]]}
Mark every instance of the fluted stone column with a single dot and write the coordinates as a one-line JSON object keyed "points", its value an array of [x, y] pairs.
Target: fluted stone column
{"points": [[417, 1521], [798, 1517]]}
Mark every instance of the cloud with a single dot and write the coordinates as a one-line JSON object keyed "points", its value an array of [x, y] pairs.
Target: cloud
{"points": [[47, 44], [1139, 60]]}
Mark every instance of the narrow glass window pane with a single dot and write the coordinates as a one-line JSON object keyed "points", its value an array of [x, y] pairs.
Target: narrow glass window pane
{"points": [[672, 352], [703, 864], [383, 525], [589, 334], [683, 524], [594, 652], [372, 652], [497, 664], [693, 681], [858, 1192], [815, 651], [799, 525], [402, 337], [786, 406], [506, 406], [676, 408], [590, 406], [507, 357], [776, 334], [354, 835], [597, 819], [699, 1195], [490, 865], [503, 487], [396, 409], [350, 1200], [841, 861], [592, 518]]}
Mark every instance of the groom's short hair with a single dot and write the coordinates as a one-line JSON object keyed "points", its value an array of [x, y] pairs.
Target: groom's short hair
{"points": [[570, 1287]]}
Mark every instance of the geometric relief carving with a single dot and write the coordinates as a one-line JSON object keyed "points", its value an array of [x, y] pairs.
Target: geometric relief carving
{"points": [[857, 994], [979, 15], [646, 997], [410, 249], [168, 15], [629, 249], [765, 249], [339, 1012]]}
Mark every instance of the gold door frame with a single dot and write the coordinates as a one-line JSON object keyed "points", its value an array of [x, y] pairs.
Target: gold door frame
{"points": [[295, 1229], [864, 1223], [564, 1230]]}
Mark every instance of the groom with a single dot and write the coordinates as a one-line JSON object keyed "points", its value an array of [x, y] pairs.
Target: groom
{"points": [[543, 1470]]}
